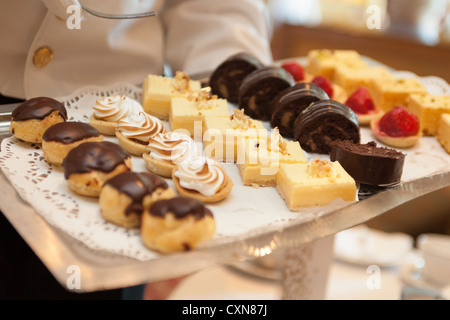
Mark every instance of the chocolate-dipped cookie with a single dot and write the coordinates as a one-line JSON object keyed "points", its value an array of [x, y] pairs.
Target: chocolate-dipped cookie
{"points": [[228, 76], [31, 118], [259, 88], [323, 122], [88, 166], [368, 163], [62, 137], [288, 104], [176, 224], [125, 196]]}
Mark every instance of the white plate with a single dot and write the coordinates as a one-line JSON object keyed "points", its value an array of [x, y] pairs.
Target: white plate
{"points": [[411, 273], [365, 246]]}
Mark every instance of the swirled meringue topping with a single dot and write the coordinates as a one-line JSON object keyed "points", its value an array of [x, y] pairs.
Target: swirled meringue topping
{"points": [[201, 174], [114, 108], [140, 126], [172, 147]]}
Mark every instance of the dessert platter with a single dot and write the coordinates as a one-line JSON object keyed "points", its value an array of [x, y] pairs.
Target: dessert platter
{"points": [[136, 184]]}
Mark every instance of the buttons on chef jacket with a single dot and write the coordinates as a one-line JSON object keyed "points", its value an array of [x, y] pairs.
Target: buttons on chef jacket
{"points": [[42, 56]]}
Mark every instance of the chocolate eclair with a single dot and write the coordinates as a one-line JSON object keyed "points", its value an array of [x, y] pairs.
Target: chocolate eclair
{"points": [[31, 118], [228, 76], [288, 104], [62, 137], [259, 88], [368, 163], [89, 165], [176, 224], [324, 122], [125, 196]]}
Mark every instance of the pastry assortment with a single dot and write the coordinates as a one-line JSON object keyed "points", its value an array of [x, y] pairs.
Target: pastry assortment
{"points": [[183, 132]]}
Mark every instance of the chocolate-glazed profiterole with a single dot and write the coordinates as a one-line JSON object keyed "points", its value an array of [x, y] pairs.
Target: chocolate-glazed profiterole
{"points": [[62, 137], [369, 164], [288, 104], [323, 122], [31, 118], [89, 165], [124, 197], [228, 76], [176, 224], [260, 87]]}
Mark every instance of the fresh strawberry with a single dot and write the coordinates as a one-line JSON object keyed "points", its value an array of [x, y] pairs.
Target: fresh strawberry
{"points": [[399, 122], [360, 101], [295, 69], [325, 84]]}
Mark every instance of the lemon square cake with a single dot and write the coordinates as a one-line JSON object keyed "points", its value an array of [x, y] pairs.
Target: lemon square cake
{"points": [[443, 133], [157, 92], [189, 112], [317, 183], [388, 93], [325, 61], [221, 134], [259, 159], [429, 108]]}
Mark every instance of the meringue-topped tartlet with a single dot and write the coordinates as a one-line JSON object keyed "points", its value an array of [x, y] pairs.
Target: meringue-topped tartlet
{"points": [[108, 111], [135, 130], [165, 150], [398, 128], [203, 179], [362, 104]]}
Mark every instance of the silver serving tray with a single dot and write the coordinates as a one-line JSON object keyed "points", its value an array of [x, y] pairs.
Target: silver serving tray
{"points": [[103, 271]]}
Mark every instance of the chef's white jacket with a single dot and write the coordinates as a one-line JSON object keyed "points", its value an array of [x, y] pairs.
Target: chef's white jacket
{"points": [[189, 35]]}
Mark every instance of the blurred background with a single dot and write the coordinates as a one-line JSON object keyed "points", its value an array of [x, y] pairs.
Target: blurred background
{"points": [[409, 35]]}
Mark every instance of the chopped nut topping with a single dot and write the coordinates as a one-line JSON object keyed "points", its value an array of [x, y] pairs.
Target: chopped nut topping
{"points": [[277, 142], [240, 121], [181, 81], [320, 169]]}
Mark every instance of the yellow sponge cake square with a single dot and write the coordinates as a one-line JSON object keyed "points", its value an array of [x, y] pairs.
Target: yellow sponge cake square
{"points": [[221, 134], [190, 111], [259, 159], [158, 91], [429, 108], [388, 93], [325, 61], [443, 133], [317, 183]]}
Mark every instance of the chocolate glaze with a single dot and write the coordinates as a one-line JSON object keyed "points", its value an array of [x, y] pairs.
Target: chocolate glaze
{"points": [[180, 207], [323, 122], [367, 163], [228, 76], [260, 87], [68, 132], [136, 185], [288, 104], [38, 108], [103, 156]]}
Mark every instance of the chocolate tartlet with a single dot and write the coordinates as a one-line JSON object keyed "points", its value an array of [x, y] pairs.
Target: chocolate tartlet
{"points": [[31, 118], [259, 88], [369, 164], [324, 122], [228, 76], [290, 102]]}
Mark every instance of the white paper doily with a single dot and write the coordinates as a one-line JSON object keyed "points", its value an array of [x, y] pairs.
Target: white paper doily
{"points": [[246, 211]]}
